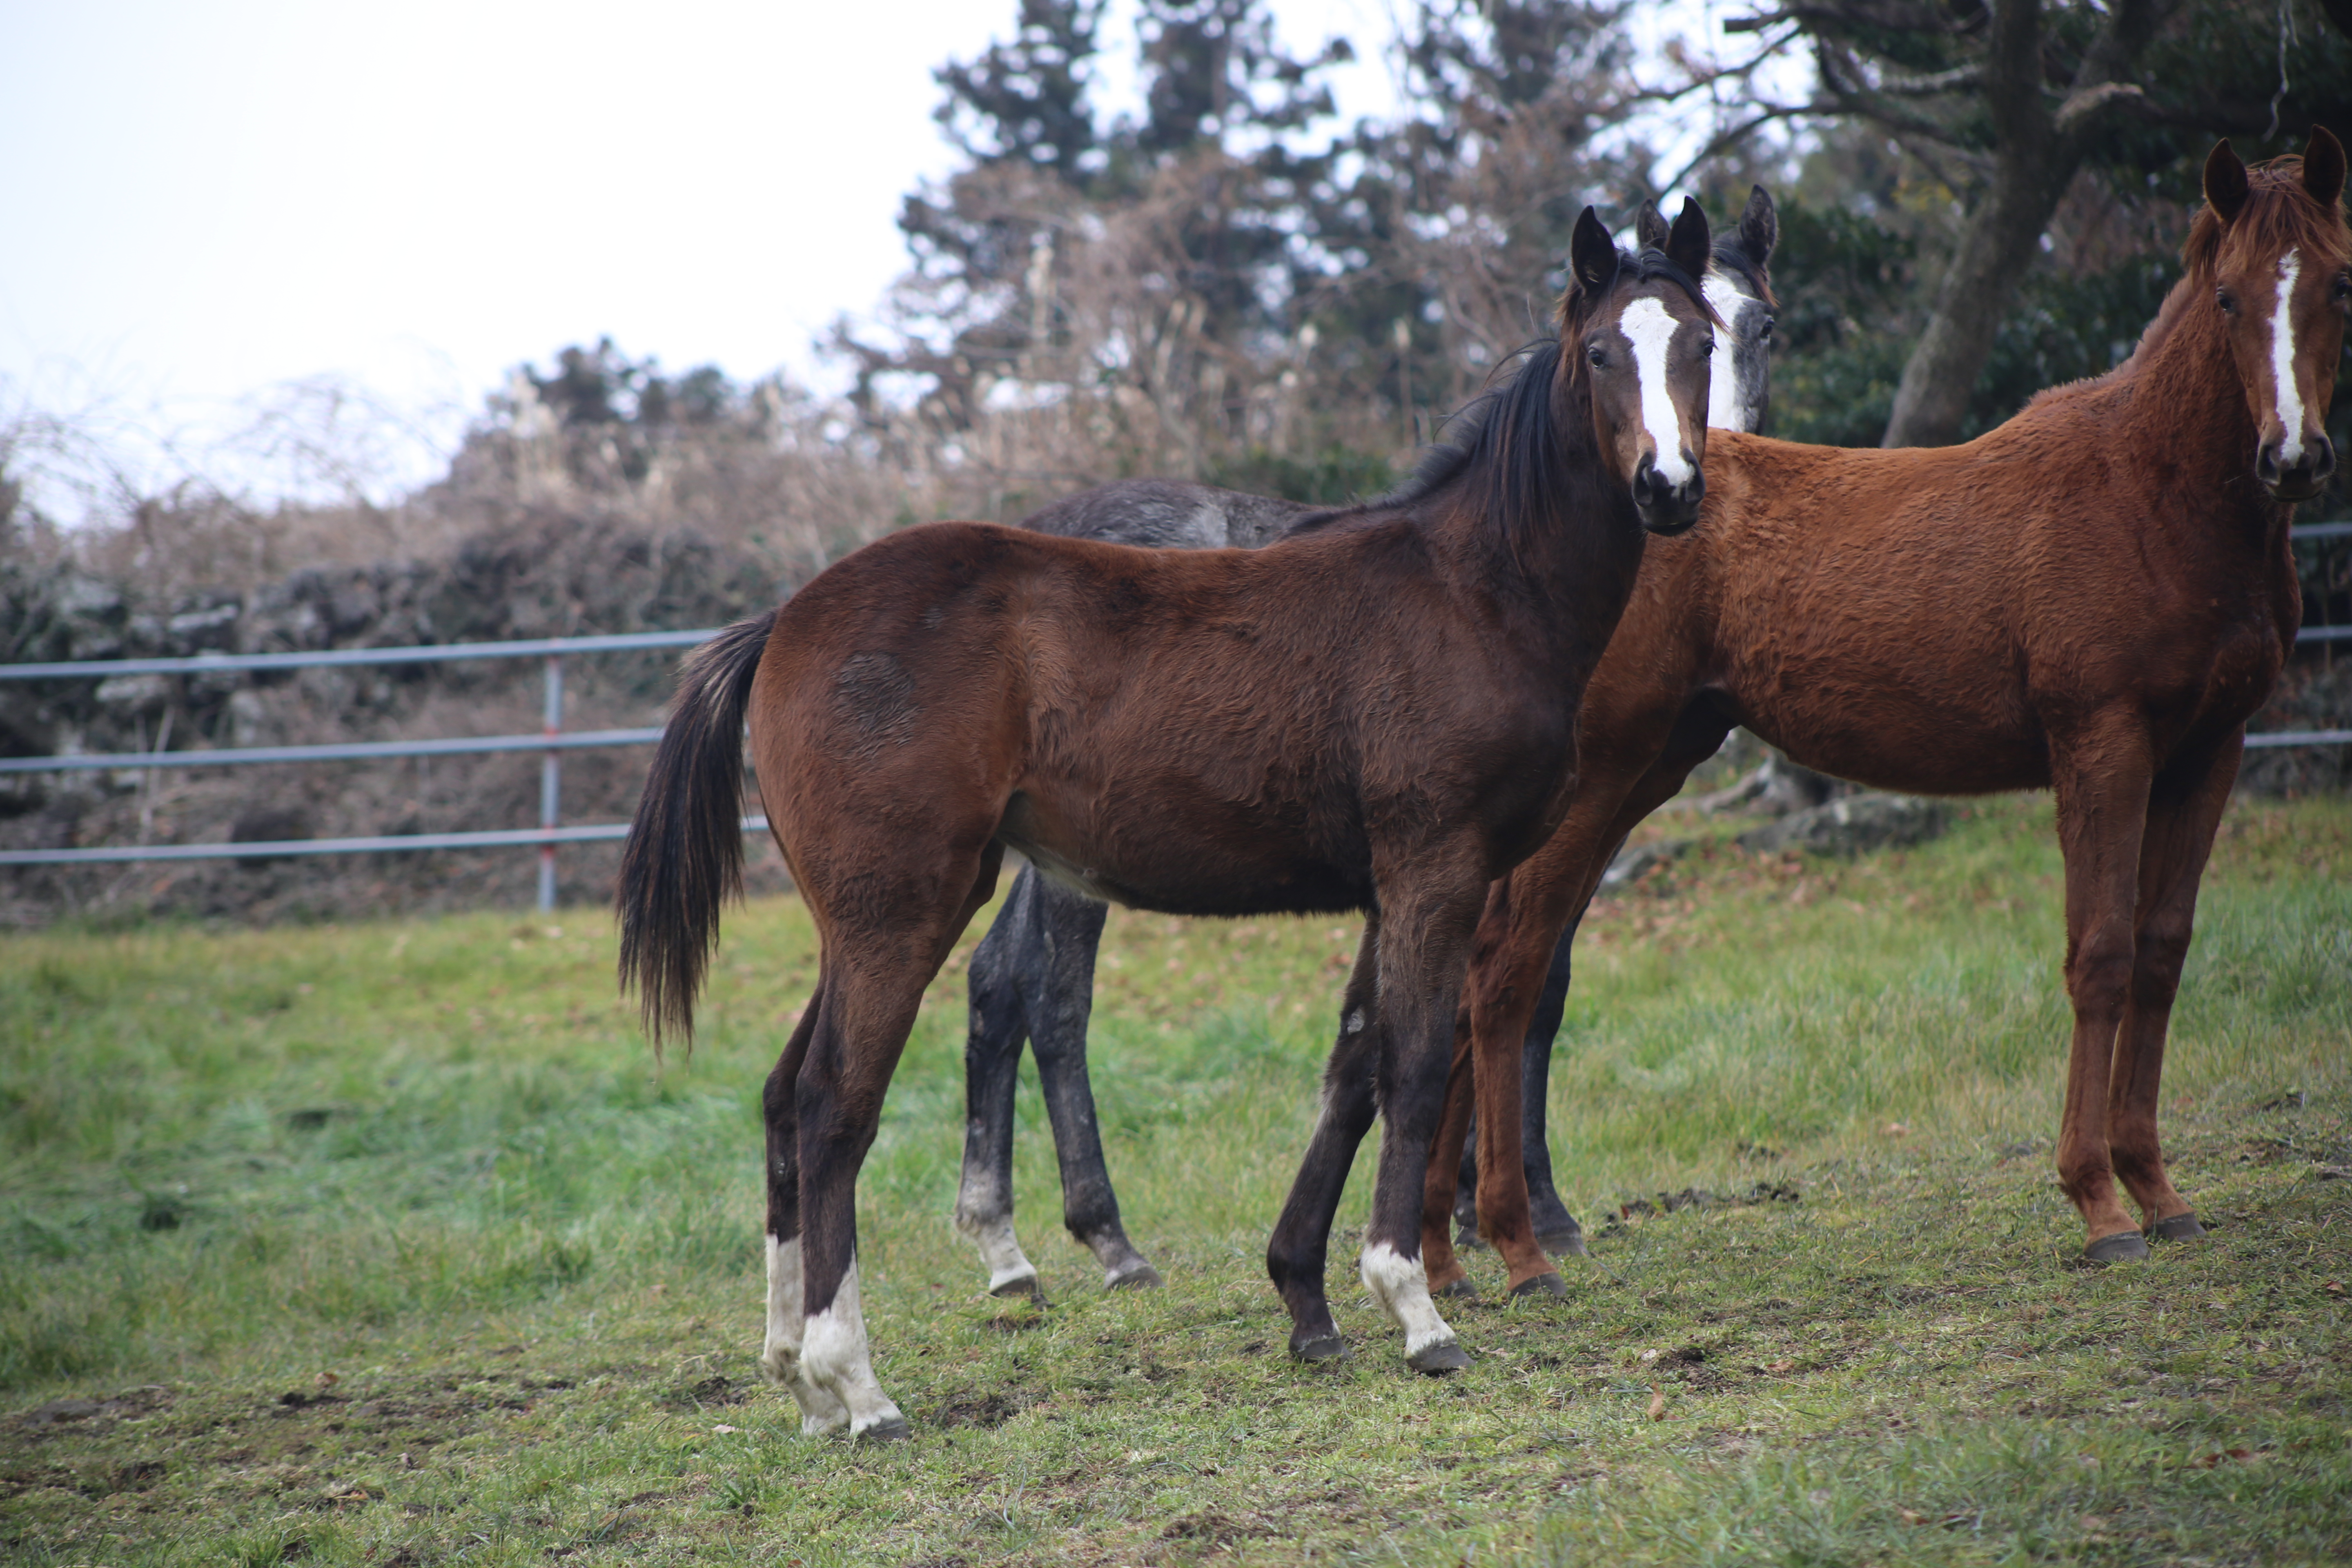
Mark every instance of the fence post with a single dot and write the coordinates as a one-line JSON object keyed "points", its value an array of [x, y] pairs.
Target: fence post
{"points": [[551, 780]]}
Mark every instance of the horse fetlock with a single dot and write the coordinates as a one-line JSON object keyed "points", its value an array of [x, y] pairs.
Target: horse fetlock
{"points": [[836, 1365], [1124, 1269], [1400, 1289], [987, 1226]]}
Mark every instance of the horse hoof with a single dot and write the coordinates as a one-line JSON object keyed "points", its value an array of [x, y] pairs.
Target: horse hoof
{"points": [[1438, 1360], [1321, 1348], [1026, 1288], [1460, 1289], [1467, 1239], [2179, 1228], [1569, 1242], [2116, 1248], [1142, 1276], [1540, 1285], [894, 1430]]}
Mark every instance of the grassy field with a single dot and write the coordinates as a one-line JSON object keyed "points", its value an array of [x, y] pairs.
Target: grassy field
{"points": [[391, 1244]]}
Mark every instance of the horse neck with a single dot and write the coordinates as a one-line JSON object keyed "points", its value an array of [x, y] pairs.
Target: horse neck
{"points": [[1567, 561], [2185, 411]]}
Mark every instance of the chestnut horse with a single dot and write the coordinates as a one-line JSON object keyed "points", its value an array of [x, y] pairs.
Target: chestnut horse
{"points": [[1031, 977], [1377, 713], [2093, 598]]}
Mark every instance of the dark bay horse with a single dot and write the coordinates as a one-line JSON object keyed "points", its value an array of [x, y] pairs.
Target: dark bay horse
{"points": [[1031, 977], [1377, 713], [2093, 598]]}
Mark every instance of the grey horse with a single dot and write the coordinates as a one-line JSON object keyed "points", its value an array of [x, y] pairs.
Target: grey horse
{"points": [[1031, 977]]}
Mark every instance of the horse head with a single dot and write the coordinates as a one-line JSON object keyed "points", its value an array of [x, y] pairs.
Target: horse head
{"points": [[1639, 332], [2280, 258], [1738, 284]]}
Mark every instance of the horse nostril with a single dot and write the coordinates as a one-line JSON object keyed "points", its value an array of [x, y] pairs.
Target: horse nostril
{"points": [[2322, 458], [2266, 463]]}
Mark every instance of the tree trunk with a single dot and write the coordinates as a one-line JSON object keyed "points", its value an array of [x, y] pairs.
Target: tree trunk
{"points": [[2036, 154]]}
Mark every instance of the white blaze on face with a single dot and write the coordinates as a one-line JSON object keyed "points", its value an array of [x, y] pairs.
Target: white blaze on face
{"points": [[1650, 329], [1726, 386], [2289, 397]]}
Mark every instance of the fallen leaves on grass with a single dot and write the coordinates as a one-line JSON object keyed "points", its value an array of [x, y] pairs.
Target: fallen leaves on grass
{"points": [[1657, 1403]]}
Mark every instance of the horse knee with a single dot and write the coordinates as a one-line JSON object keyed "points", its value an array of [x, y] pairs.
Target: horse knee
{"points": [[2099, 976], [2156, 971]]}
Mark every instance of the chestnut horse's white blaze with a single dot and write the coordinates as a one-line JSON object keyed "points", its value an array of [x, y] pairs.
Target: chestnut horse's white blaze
{"points": [[2290, 395], [1650, 329]]}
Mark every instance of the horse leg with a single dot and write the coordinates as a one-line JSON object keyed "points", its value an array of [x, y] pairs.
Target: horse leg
{"points": [[780, 1357], [1425, 943], [1556, 1229], [2184, 812], [991, 1070], [1450, 1151], [2102, 781], [873, 977], [1296, 1254], [1060, 1002], [1521, 949]]}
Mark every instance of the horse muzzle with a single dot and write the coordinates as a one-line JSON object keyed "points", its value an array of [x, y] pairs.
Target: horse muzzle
{"points": [[1664, 506], [2299, 480]]}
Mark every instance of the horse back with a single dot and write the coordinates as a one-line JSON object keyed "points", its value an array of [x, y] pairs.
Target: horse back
{"points": [[1868, 609], [1111, 711]]}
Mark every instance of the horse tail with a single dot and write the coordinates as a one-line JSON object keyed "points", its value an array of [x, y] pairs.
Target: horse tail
{"points": [[684, 853]]}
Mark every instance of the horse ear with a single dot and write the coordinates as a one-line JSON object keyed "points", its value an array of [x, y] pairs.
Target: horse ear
{"points": [[2323, 167], [1759, 227], [2225, 181], [1687, 246], [1591, 255], [1650, 227]]}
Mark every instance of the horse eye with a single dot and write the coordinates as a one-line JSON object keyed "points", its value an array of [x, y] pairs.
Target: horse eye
{"points": [[1597, 354], [1764, 332], [2229, 304], [2343, 290], [1707, 349]]}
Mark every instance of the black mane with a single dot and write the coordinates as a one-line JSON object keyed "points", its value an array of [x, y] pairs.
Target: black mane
{"points": [[1730, 254], [1507, 439]]}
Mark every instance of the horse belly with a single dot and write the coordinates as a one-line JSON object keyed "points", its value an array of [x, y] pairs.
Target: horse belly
{"points": [[1184, 857], [1880, 731]]}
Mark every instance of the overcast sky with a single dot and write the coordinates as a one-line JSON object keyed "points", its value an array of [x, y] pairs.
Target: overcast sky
{"points": [[205, 200]]}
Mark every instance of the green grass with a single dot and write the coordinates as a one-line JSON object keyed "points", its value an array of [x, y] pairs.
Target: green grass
{"points": [[392, 1243]]}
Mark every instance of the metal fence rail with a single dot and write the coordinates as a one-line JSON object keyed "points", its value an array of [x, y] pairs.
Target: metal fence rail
{"points": [[552, 741]]}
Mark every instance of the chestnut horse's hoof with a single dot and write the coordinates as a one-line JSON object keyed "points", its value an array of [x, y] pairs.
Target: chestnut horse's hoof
{"points": [[1569, 1242], [2179, 1228], [1025, 1289], [1540, 1285], [1142, 1276], [894, 1430], [1438, 1360], [1460, 1289], [2116, 1248], [1319, 1347]]}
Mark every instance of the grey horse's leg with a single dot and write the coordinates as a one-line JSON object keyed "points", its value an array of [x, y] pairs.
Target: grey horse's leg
{"points": [[1057, 979], [992, 1064], [1297, 1252], [1555, 1227]]}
